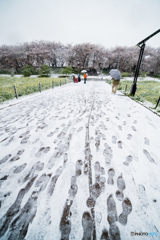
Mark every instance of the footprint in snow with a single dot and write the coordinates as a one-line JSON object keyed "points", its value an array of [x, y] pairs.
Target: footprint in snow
{"points": [[87, 224], [133, 128], [121, 186], [80, 129], [129, 136], [114, 232], [3, 160], [73, 189], [111, 210], [90, 202], [104, 235], [42, 181], [108, 153], [146, 153], [20, 168], [128, 160], [95, 191], [16, 158], [120, 128], [111, 174], [65, 158], [38, 166], [61, 135], [10, 140], [79, 164], [50, 134], [54, 180], [97, 169], [42, 150], [146, 141], [25, 139], [120, 144], [127, 208], [97, 142], [102, 183], [114, 139], [24, 134], [65, 224], [102, 171]]}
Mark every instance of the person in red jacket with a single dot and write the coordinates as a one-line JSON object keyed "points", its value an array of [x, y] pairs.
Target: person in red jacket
{"points": [[76, 80]]}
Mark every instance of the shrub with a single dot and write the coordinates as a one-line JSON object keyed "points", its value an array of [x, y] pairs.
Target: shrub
{"points": [[27, 71], [62, 76], [45, 70], [144, 74], [157, 76], [67, 70], [43, 76], [125, 74]]}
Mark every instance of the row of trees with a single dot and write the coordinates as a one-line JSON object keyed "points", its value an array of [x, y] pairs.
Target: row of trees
{"points": [[79, 56]]}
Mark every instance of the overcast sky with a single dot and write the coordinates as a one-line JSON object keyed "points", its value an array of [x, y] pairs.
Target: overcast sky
{"points": [[109, 23]]}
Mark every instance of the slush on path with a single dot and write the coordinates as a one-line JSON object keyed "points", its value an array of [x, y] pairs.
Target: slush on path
{"points": [[78, 162]]}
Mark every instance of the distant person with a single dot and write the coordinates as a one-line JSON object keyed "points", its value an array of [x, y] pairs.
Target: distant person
{"points": [[115, 84], [79, 78], [73, 78], [76, 80], [85, 78]]}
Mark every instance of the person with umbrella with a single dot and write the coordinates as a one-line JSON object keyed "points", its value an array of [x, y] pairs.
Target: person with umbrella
{"points": [[85, 75], [85, 78], [116, 75]]}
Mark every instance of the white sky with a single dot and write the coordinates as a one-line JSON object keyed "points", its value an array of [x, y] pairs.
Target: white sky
{"points": [[107, 22]]}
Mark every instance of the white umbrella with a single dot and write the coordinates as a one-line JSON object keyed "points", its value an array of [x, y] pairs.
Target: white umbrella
{"points": [[115, 74], [83, 71]]}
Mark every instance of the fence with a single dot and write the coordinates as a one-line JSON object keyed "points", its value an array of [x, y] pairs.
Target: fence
{"points": [[146, 90], [16, 87]]}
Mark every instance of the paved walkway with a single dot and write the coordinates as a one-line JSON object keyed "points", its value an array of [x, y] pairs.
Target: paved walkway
{"points": [[79, 162]]}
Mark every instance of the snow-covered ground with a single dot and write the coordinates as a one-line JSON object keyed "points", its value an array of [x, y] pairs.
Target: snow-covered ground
{"points": [[79, 162]]}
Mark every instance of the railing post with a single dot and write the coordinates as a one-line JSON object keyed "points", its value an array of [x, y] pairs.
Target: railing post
{"points": [[52, 84], [60, 82], [15, 91], [40, 87], [126, 88]]}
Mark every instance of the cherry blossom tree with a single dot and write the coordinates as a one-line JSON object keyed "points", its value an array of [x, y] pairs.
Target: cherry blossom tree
{"points": [[79, 56]]}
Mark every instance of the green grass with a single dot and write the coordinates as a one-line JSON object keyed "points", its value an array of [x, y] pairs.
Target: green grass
{"points": [[25, 86], [146, 90]]}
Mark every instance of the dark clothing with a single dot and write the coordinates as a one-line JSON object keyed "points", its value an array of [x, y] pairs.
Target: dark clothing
{"points": [[79, 78]]}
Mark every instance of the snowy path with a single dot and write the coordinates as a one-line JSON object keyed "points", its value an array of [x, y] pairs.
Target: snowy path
{"points": [[77, 163]]}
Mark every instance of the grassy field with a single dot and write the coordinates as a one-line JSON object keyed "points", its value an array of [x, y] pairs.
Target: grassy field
{"points": [[25, 85], [146, 90]]}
